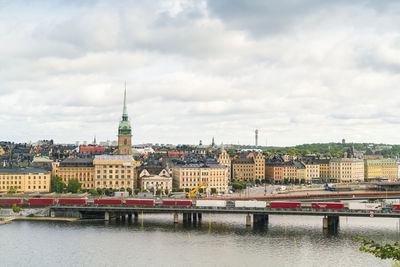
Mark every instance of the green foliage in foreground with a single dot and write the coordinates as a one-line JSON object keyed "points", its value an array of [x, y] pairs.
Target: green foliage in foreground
{"points": [[387, 251], [15, 208], [74, 186], [238, 185], [57, 185]]}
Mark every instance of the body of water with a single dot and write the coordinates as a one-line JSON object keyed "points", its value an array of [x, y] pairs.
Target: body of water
{"points": [[226, 241]]}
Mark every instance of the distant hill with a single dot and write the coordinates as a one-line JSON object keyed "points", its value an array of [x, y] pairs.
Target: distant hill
{"points": [[334, 149]]}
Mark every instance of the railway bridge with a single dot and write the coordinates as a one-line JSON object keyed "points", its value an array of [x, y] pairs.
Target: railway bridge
{"points": [[330, 218]]}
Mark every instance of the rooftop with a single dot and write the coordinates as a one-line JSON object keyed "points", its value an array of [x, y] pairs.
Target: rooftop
{"points": [[200, 165], [113, 158], [22, 170]]}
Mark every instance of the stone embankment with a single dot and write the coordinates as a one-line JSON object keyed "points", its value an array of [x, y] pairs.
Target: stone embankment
{"points": [[7, 216]]}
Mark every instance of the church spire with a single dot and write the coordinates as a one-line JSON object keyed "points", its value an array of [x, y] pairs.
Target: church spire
{"points": [[125, 111]]}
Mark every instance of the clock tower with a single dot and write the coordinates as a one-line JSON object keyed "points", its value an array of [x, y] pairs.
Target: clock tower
{"points": [[125, 133]]}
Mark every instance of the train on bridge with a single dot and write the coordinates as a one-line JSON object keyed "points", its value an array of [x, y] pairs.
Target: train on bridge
{"points": [[238, 204]]}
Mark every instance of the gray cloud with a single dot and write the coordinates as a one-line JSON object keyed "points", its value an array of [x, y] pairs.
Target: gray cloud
{"points": [[309, 71]]}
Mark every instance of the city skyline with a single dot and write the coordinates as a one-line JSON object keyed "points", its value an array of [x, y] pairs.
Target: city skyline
{"points": [[299, 73]]}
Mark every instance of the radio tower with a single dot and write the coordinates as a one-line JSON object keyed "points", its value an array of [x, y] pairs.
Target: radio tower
{"points": [[256, 138]]}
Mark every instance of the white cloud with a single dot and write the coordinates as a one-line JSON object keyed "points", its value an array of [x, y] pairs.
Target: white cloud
{"points": [[316, 72]]}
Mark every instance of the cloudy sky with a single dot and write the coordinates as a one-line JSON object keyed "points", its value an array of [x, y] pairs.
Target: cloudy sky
{"points": [[299, 71]]}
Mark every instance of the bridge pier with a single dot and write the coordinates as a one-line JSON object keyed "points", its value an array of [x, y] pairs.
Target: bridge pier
{"points": [[194, 215], [189, 215], [330, 222], [176, 218], [199, 216], [107, 216], [185, 218], [136, 214], [129, 217], [248, 220], [260, 219], [117, 217]]}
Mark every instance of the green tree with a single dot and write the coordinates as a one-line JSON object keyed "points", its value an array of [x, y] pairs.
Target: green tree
{"points": [[93, 192], [99, 191], [57, 185], [166, 191], [137, 190], [387, 251], [129, 191], [159, 191], [107, 191], [12, 190], [213, 190], [74, 186], [15, 208]]}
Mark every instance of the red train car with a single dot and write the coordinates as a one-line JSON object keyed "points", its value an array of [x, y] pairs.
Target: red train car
{"points": [[140, 202], [396, 207], [72, 201], [327, 206], [285, 205], [181, 203], [11, 201], [41, 201], [108, 201]]}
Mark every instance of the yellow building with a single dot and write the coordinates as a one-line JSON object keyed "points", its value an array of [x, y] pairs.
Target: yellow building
{"points": [[114, 172], [223, 158], [381, 168], [25, 180], [259, 165], [346, 170], [312, 170], [243, 169], [300, 171], [189, 176], [324, 172], [80, 169], [289, 171]]}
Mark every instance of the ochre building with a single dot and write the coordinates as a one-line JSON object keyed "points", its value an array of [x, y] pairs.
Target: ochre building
{"points": [[25, 180], [381, 168], [189, 176], [346, 170], [80, 169], [114, 172]]}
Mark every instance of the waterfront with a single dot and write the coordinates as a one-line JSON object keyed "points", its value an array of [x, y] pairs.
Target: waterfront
{"points": [[227, 242]]}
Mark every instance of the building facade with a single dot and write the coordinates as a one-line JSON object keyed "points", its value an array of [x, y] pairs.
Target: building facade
{"points": [[80, 169], [312, 170], [274, 172], [259, 165], [345, 170], [243, 169], [223, 158], [125, 133], [24, 180], [324, 171], [189, 176], [114, 172], [156, 178], [381, 168]]}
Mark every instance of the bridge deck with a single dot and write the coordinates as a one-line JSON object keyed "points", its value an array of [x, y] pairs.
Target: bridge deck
{"points": [[266, 211]]}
